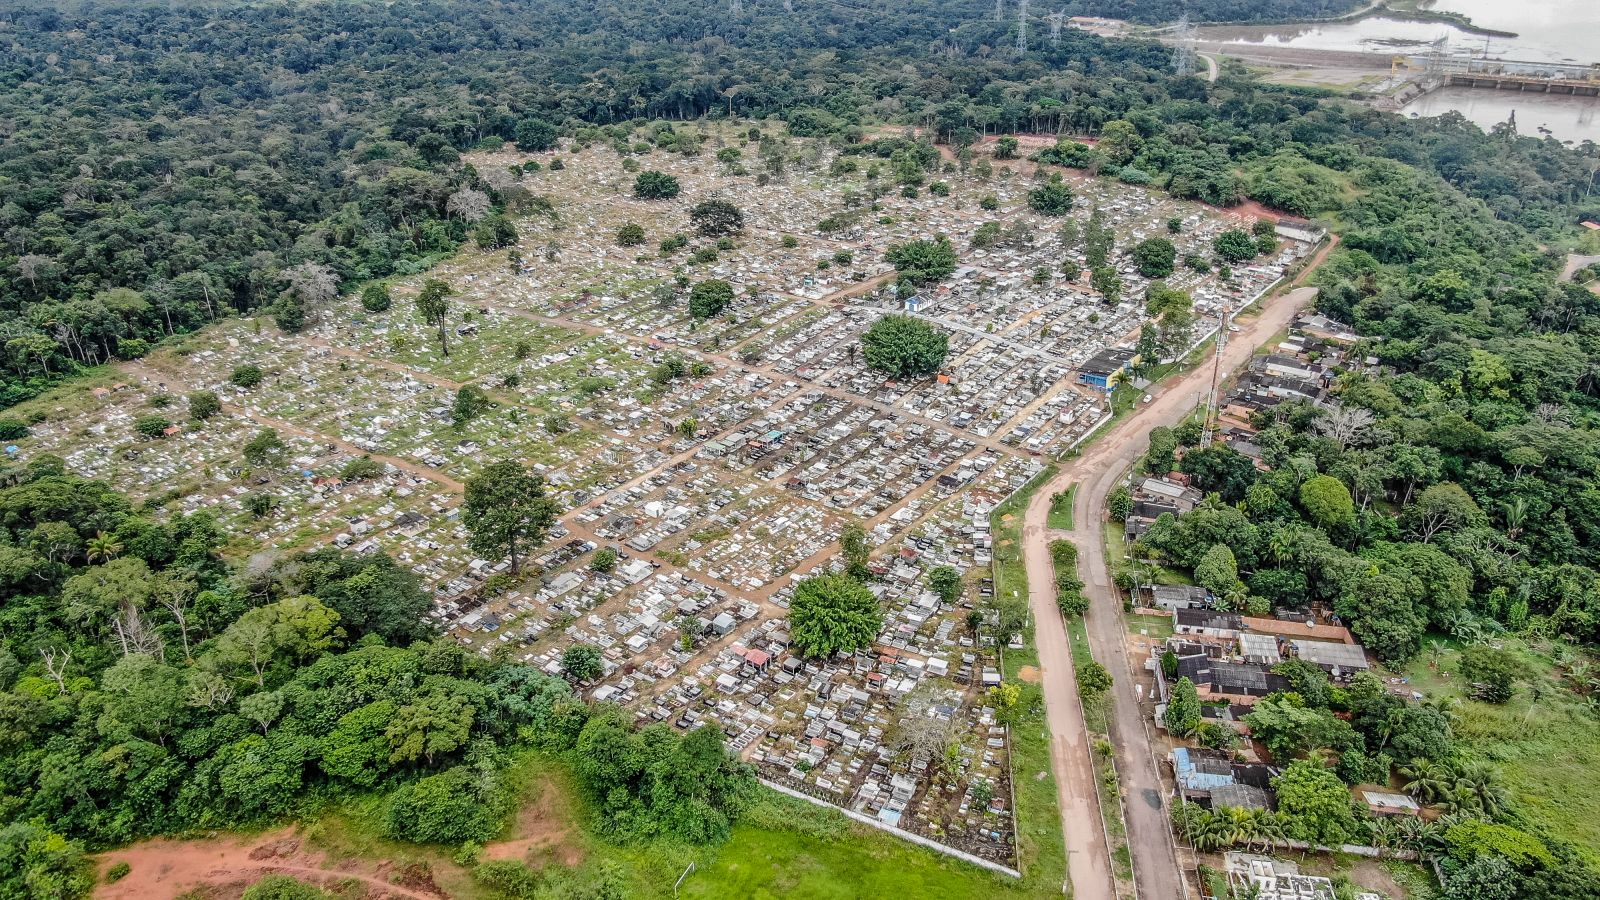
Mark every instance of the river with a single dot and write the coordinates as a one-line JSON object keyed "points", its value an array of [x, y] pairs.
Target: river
{"points": [[1546, 31]]}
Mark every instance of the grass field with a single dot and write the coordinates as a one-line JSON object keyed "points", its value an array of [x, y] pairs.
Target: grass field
{"points": [[1545, 742], [781, 848], [1040, 843], [1061, 509]]}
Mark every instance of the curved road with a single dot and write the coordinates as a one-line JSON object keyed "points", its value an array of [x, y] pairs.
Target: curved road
{"points": [[1096, 474]]}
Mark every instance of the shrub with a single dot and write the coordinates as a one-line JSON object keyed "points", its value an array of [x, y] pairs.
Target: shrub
{"points": [[630, 235], [245, 376], [653, 185], [202, 406], [282, 887], [152, 425], [453, 807]]}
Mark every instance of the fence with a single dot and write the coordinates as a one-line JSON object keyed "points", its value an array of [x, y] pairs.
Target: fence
{"points": [[901, 833]]}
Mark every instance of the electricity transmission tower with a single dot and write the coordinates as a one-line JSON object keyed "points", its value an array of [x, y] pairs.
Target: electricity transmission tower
{"points": [[1022, 26], [999, 10], [1056, 18], [1184, 37], [735, 6]]}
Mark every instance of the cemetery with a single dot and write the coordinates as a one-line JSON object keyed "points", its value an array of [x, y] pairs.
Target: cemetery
{"points": [[712, 461]]}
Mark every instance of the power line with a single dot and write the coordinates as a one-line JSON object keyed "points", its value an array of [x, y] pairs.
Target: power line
{"points": [[1183, 54]]}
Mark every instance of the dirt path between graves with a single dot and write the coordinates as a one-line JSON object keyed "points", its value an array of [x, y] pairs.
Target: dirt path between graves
{"points": [[771, 372], [148, 372], [1096, 473]]}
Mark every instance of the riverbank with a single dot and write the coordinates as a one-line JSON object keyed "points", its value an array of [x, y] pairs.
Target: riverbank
{"points": [[1401, 10]]}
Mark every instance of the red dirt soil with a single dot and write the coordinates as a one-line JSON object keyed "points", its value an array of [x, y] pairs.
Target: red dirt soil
{"points": [[544, 833], [163, 869]]}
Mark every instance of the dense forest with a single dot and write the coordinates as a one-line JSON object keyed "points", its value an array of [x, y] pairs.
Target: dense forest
{"points": [[146, 689], [166, 164]]}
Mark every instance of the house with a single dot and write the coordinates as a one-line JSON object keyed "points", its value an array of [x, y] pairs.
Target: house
{"points": [[1200, 771], [1173, 597], [1105, 368], [1288, 367], [1298, 628], [1260, 648], [1247, 681], [1211, 778], [1207, 623], [1387, 803], [1244, 796], [1170, 491], [1339, 660]]}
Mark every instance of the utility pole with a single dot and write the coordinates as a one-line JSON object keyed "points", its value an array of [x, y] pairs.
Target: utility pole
{"points": [[1022, 26], [1216, 376]]}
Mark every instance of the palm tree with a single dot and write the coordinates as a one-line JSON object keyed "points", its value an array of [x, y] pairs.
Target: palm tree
{"points": [[1444, 704], [1391, 723], [1240, 825], [1578, 671], [1426, 780], [1474, 789], [102, 547], [1434, 649], [1209, 834], [1273, 830]]}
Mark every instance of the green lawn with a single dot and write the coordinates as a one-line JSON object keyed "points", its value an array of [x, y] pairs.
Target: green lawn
{"points": [[782, 847], [794, 849], [1545, 742], [1041, 848], [1061, 509], [1158, 627]]}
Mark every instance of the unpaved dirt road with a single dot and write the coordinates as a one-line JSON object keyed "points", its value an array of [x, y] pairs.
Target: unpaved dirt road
{"points": [[1096, 473]]}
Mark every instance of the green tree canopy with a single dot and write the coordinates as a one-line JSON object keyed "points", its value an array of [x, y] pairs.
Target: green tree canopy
{"points": [[507, 511], [1053, 198], [709, 298], [715, 218], [923, 261], [904, 347], [833, 614], [1155, 257]]}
